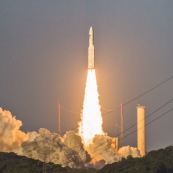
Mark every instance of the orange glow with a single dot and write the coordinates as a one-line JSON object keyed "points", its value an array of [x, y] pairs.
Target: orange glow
{"points": [[91, 120]]}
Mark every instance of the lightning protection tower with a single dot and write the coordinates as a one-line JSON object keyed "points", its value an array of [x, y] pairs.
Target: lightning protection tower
{"points": [[141, 129]]}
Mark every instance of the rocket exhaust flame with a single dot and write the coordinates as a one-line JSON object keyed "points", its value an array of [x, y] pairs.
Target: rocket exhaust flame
{"points": [[91, 120]]}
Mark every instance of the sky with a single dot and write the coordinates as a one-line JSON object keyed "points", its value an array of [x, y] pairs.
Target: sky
{"points": [[43, 60]]}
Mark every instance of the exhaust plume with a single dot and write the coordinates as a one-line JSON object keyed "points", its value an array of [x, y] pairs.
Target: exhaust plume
{"points": [[91, 119]]}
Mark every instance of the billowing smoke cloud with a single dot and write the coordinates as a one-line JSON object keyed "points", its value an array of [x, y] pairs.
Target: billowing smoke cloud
{"points": [[129, 151], [10, 135], [102, 149], [70, 151], [51, 147]]}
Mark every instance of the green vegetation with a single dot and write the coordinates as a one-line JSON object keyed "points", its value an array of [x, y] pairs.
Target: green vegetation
{"points": [[12, 163], [160, 161]]}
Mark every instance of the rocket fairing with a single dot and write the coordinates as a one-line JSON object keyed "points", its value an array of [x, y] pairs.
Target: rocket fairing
{"points": [[91, 49]]}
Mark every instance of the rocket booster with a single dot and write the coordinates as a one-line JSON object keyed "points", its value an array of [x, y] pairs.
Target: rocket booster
{"points": [[91, 49]]}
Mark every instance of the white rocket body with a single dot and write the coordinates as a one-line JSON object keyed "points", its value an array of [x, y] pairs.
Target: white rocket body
{"points": [[91, 49], [141, 129]]}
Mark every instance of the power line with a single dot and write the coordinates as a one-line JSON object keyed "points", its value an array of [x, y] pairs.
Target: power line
{"points": [[145, 118], [150, 122], [128, 102], [146, 92], [140, 95], [62, 107], [148, 116], [135, 98]]}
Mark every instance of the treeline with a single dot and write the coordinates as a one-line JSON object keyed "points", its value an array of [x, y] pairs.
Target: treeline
{"points": [[12, 163], [160, 161]]}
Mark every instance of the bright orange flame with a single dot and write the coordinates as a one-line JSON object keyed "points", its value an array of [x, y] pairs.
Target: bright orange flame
{"points": [[91, 120]]}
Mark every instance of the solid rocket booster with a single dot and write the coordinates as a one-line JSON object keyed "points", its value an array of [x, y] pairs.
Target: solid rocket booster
{"points": [[91, 49]]}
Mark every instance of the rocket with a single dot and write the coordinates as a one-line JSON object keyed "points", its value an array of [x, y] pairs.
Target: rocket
{"points": [[91, 49]]}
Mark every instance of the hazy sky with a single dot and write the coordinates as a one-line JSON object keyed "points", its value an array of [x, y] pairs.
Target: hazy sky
{"points": [[43, 59]]}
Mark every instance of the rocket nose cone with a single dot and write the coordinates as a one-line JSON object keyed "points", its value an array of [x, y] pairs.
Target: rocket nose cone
{"points": [[91, 30]]}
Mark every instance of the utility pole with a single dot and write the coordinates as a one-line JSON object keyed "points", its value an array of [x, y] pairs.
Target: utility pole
{"points": [[59, 118], [122, 126]]}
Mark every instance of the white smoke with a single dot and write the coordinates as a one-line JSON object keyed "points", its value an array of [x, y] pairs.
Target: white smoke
{"points": [[129, 151], [10, 135], [74, 141], [51, 147], [69, 149], [102, 149]]}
